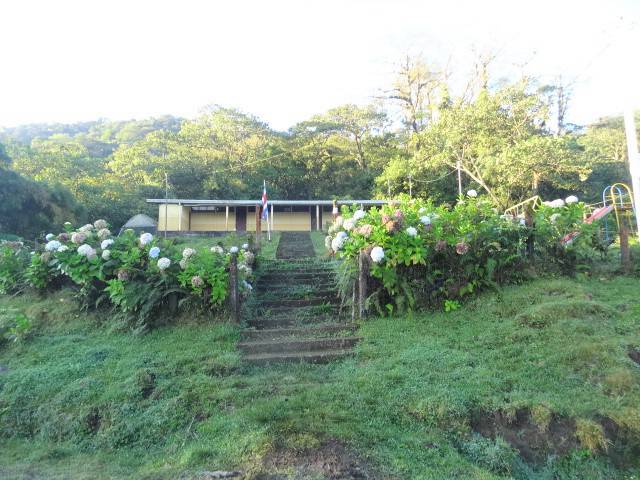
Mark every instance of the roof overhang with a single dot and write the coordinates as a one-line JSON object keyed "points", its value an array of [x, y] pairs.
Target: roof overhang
{"points": [[251, 203]]}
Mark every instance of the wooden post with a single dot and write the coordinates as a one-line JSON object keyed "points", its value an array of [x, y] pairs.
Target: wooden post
{"points": [[363, 273], [528, 220], [625, 255], [258, 226], [234, 291]]}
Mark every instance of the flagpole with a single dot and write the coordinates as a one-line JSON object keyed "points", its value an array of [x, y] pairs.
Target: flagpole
{"points": [[264, 186]]}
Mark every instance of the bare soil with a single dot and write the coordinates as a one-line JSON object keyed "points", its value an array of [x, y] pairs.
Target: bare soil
{"points": [[533, 443], [332, 460]]}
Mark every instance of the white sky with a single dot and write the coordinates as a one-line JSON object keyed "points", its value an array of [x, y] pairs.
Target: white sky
{"points": [[287, 60]]}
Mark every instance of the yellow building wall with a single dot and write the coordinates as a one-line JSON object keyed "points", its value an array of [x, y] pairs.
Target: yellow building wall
{"points": [[212, 221], [177, 218], [291, 221], [251, 222]]}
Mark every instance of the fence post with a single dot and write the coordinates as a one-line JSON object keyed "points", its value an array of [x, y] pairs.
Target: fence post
{"points": [[625, 255], [363, 273], [234, 292]]}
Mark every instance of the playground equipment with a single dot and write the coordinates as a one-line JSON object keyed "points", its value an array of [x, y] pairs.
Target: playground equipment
{"points": [[616, 198]]}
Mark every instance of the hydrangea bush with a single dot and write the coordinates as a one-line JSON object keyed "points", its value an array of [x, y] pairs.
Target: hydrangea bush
{"points": [[420, 254], [144, 278]]}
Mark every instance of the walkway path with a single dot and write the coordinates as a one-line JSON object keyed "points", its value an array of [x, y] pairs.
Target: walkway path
{"points": [[295, 315]]}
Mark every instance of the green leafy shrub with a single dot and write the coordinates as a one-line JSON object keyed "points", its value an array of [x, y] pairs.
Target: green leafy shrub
{"points": [[14, 259], [422, 255], [144, 279], [14, 326]]}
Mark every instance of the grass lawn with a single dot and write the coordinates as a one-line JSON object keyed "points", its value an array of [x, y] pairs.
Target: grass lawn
{"points": [[549, 357], [317, 238]]}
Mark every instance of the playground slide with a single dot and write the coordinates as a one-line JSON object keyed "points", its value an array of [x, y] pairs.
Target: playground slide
{"points": [[597, 214]]}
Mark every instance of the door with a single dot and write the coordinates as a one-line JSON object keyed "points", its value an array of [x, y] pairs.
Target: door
{"points": [[241, 219]]}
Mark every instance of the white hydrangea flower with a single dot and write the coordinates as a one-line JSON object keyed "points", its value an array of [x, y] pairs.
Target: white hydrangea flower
{"points": [[106, 243], [342, 235], [358, 215], [106, 254], [472, 193], [188, 252], [557, 203], [86, 228], [377, 254], [247, 285], [411, 231], [245, 246], [50, 236], [422, 210], [52, 245], [104, 233], [217, 249], [145, 239], [571, 199], [425, 219], [164, 263], [327, 242], [100, 224], [337, 243], [523, 222], [233, 249], [348, 224], [84, 249], [554, 218], [154, 252], [183, 263], [62, 248]]}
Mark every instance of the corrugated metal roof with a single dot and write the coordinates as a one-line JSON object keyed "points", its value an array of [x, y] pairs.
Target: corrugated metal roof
{"points": [[236, 203]]}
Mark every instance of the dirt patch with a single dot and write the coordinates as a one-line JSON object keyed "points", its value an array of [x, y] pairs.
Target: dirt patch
{"points": [[532, 442], [94, 420], [331, 460], [634, 354], [623, 444]]}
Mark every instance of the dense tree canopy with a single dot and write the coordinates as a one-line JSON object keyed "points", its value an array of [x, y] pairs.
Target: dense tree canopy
{"points": [[508, 138]]}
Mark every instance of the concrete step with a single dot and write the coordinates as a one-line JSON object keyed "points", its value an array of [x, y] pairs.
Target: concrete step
{"points": [[299, 332], [299, 302], [296, 293], [323, 356], [291, 321], [254, 347], [283, 277]]}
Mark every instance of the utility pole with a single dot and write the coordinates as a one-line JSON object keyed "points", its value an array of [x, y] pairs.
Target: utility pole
{"points": [[634, 162], [459, 178]]}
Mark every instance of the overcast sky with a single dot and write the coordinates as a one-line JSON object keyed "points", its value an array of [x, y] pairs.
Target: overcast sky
{"points": [[284, 61]]}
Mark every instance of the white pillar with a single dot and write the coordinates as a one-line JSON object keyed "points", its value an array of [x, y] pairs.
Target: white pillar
{"points": [[318, 217], [271, 217], [226, 218], [180, 217], [634, 162]]}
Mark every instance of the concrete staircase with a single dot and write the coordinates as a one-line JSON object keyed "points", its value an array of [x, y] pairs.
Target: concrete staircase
{"points": [[294, 314]]}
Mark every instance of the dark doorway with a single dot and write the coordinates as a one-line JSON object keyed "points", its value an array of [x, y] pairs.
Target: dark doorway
{"points": [[241, 219]]}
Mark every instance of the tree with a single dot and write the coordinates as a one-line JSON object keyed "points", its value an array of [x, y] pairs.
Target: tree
{"points": [[420, 92]]}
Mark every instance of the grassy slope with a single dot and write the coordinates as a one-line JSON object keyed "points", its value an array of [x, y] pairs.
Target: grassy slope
{"points": [[177, 400]]}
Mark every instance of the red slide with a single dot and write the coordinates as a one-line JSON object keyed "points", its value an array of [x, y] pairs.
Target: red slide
{"points": [[597, 214]]}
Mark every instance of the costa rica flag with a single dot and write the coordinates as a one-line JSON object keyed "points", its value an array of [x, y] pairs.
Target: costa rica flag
{"points": [[265, 204]]}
